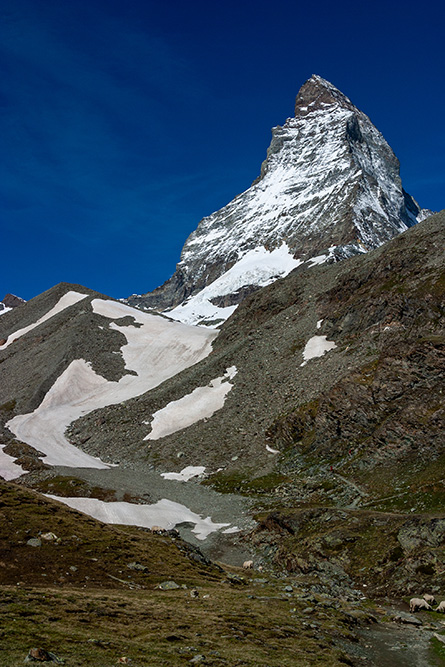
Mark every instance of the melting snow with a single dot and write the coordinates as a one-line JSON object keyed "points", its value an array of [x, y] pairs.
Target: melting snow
{"points": [[201, 403], [315, 261], [165, 513], [68, 299], [316, 347]]}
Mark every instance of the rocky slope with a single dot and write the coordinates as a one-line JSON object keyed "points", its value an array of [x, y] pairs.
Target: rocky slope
{"points": [[328, 189], [359, 428], [381, 382]]}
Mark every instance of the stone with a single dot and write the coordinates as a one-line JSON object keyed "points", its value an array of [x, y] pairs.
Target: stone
{"points": [[407, 619], [34, 542], [49, 537], [137, 566], [168, 586], [41, 655]]}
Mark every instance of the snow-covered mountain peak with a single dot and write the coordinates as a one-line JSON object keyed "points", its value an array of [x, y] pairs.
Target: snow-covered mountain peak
{"points": [[329, 186]]}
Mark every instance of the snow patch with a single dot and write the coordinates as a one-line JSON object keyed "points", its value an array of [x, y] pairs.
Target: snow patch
{"points": [[272, 451], [8, 468], [317, 346], [165, 513], [186, 473], [201, 403], [320, 259], [68, 299]]}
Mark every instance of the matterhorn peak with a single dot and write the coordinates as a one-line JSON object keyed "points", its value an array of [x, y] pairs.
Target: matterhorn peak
{"points": [[317, 93], [329, 188]]}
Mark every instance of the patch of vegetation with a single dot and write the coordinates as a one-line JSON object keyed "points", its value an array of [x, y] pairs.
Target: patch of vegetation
{"points": [[239, 482], [9, 406], [295, 427], [438, 649], [68, 487], [231, 627]]}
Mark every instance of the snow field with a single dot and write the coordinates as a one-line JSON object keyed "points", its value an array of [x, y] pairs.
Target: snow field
{"points": [[156, 351], [256, 267], [165, 513], [186, 473]]}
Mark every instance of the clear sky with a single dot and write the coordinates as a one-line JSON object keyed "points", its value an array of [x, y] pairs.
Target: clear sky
{"points": [[124, 122]]}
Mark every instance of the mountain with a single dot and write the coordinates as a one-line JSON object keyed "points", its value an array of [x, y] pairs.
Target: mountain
{"points": [[328, 189], [306, 435], [337, 403]]}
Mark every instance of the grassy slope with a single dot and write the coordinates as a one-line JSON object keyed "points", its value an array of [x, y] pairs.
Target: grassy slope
{"points": [[77, 598]]}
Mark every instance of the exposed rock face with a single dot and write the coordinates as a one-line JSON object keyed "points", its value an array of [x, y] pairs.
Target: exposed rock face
{"points": [[12, 301], [9, 302], [330, 184]]}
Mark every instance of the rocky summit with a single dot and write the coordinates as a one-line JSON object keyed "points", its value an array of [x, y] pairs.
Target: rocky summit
{"points": [[329, 188]]}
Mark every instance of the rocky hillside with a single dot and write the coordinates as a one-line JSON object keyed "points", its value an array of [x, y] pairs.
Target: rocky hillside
{"points": [[328, 423], [348, 446], [328, 189], [373, 400]]}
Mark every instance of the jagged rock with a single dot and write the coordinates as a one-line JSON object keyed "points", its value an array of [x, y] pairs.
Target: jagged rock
{"points": [[419, 532], [12, 301]]}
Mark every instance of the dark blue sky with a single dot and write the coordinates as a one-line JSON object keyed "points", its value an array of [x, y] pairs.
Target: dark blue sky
{"points": [[124, 122]]}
